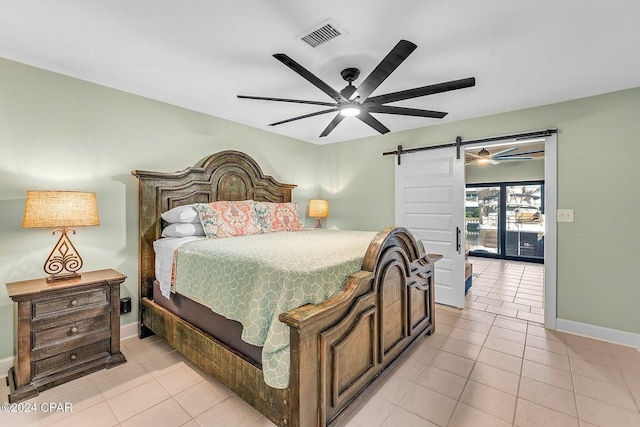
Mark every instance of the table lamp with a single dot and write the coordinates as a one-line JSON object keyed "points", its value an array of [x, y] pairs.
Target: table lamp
{"points": [[318, 209], [61, 210]]}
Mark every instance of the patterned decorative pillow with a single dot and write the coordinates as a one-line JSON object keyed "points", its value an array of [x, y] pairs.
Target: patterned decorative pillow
{"points": [[226, 219], [278, 216]]}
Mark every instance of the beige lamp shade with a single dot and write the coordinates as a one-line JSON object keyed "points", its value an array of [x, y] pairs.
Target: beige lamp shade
{"points": [[318, 208], [61, 209]]}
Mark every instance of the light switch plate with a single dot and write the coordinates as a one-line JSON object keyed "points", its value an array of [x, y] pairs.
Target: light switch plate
{"points": [[565, 215]]}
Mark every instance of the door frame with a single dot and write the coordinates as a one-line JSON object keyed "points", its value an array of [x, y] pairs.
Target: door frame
{"points": [[550, 226]]}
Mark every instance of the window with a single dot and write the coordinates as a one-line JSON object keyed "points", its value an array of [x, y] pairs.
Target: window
{"points": [[506, 220]]}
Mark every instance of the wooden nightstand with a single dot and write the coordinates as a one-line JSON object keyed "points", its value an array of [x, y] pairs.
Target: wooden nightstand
{"points": [[64, 330]]}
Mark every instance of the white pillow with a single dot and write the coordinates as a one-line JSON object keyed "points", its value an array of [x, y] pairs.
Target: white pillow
{"points": [[183, 230], [186, 214]]}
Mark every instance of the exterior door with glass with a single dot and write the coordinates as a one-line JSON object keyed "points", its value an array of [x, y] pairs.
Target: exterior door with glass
{"points": [[506, 220]]}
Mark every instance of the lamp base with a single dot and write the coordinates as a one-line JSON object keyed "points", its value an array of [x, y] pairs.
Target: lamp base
{"points": [[62, 277], [64, 261], [318, 224]]}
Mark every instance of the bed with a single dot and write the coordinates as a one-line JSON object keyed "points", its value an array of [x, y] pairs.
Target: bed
{"points": [[337, 347]]}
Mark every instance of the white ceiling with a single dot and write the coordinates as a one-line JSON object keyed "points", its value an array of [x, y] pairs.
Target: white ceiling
{"points": [[200, 54]]}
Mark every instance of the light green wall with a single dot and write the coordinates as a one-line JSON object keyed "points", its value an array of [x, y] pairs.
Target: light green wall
{"points": [[598, 152], [531, 170], [58, 132]]}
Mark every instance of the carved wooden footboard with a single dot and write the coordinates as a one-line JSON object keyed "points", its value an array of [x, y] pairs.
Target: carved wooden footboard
{"points": [[340, 346], [337, 347]]}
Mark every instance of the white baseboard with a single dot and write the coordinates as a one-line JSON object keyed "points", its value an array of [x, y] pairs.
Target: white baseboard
{"points": [[5, 365], [598, 332], [126, 331], [129, 330]]}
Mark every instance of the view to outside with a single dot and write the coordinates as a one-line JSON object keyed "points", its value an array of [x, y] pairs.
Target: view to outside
{"points": [[525, 221], [482, 206], [520, 227]]}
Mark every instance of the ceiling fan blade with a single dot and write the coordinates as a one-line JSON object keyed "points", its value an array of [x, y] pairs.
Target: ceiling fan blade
{"points": [[421, 91], [335, 122], [387, 66], [372, 121], [387, 109], [512, 159], [524, 153], [503, 152], [311, 78], [317, 113], [297, 101]]}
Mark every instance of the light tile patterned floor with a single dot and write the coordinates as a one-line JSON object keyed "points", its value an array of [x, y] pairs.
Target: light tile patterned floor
{"points": [[478, 369], [485, 369], [509, 288], [156, 387]]}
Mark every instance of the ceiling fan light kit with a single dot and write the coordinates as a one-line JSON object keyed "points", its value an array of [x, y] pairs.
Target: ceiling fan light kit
{"points": [[358, 102], [483, 157], [483, 153], [349, 110]]}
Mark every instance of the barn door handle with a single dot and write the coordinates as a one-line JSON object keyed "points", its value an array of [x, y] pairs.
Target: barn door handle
{"points": [[458, 239]]}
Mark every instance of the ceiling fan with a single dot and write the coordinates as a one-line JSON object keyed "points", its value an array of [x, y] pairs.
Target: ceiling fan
{"points": [[357, 101], [506, 155]]}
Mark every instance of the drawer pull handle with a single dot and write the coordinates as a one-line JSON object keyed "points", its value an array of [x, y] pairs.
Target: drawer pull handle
{"points": [[74, 302], [74, 330], [73, 357]]}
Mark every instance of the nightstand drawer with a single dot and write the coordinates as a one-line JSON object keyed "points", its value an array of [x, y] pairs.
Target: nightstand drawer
{"points": [[69, 359], [45, 337], [75, 301]]}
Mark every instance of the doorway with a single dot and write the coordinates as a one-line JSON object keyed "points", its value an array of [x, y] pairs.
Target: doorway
{"points": [[507, 285], [409, 213]]}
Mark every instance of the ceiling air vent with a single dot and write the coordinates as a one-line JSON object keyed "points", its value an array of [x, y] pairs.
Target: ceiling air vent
{"points": [[322, 33]]}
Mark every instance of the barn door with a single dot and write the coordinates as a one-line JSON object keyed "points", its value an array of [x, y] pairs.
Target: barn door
{"points": [[430, 202]]}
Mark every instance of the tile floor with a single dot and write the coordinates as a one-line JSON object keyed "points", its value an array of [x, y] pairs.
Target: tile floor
{"points": [[156, 387], [479, 369], [509, 288]]}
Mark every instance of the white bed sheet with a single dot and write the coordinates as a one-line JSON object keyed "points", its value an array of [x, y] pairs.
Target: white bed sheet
{"points": [[165, 249]]}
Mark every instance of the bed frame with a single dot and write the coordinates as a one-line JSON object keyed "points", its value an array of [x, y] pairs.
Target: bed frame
{"points": [[338, 347]]}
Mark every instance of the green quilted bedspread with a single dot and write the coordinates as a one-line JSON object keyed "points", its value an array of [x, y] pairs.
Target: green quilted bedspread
{"points": [[252, 279]]}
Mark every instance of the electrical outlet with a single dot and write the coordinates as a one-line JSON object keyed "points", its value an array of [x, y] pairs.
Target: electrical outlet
{"points": [[565, 215], [125, 305]]}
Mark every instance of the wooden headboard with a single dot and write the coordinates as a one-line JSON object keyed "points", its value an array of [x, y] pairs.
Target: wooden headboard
{"points": [[227, 175]]}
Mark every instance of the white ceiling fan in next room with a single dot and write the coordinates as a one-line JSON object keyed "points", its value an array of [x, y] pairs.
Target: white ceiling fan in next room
{"points": [[504, 153]]}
